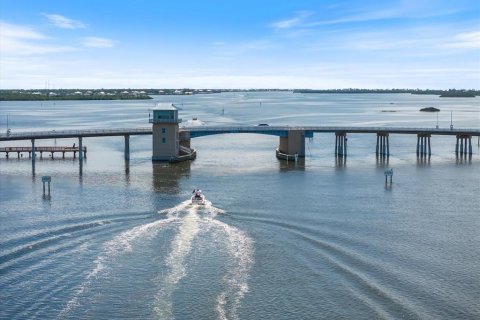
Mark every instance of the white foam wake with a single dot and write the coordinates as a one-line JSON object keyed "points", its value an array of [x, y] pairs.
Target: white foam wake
{"points": [[120, 244], [240, 247], [211, 209], [175, 262]]}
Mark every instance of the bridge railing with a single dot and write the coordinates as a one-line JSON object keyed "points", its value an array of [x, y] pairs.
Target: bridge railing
{"points": [[76, 133], [230, 129]]}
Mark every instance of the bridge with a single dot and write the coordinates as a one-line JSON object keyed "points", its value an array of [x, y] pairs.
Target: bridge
{"points": [[292, 138]]}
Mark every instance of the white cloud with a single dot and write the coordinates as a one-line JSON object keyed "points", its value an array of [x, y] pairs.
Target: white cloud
{"points": [[406, 9], [64, 22], [465, 40], [20, 32], [292, 22], [96, 42], [20, 40]]}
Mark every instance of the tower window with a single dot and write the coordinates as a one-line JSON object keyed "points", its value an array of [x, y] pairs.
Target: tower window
{"points": [[164, 140], [163, 130]]}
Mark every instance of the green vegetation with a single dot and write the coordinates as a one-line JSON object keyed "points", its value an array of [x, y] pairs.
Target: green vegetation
{"points": [[451, 93], [131, 94], [459, 94], [107, 94], [442, 93], [61, 94], [352, 90]]}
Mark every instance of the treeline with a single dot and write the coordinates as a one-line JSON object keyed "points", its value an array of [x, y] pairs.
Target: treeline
{"points": [[107, 94], [352, 90], [453, 93], [23, 97], [441, 93], [61, 94]]}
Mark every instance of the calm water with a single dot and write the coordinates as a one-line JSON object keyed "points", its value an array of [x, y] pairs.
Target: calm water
{"points": [[323, 239]]}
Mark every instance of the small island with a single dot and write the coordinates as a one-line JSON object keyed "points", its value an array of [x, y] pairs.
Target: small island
{"points": [[458, 94], [430, 109], [450, 93]]}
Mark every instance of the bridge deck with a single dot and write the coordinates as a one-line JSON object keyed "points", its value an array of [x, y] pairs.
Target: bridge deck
{"points": [[209, 130]]}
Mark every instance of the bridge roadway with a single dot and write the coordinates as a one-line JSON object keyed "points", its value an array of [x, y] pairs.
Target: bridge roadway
{"points": [[291, 138], [198, 131]]}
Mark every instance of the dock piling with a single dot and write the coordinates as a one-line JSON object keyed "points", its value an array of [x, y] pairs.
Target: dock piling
{"points": [[80, 149], [46, 179], [33, 151], [127, 147]]}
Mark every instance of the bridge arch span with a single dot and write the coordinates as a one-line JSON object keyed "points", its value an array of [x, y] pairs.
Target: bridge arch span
{"points": [[196, 133]]}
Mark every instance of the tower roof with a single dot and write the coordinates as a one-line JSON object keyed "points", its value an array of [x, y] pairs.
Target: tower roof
{"points": [[165, 106]]}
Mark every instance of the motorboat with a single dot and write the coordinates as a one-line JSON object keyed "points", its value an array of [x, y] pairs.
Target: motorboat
{"points": [[198, 198]]}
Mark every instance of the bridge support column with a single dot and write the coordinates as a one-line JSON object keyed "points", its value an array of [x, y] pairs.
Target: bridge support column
{"points": [[185, 139], [80, 149], [388, 145], [340, 144], [292, 146], [463, 145], [423, 144], [127, 147], [33, 152], [383, 146], [418, 145]]}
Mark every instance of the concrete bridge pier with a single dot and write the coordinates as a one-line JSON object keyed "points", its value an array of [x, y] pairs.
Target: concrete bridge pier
{"points": [[465, 145], [80, 149], [33, 157], [33, 151], [127, 147], [292, 146], [423, 144], [383, 145], [340, 144], [185, 139]]}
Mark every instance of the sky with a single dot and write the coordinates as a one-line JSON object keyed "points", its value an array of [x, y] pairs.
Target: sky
{"points": [[322, 44]]}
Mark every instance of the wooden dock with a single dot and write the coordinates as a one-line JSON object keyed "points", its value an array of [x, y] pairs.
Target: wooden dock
{"points": [[51, 150]]}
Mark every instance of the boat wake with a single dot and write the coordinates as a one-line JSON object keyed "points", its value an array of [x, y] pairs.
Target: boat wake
{"points": [[189, 222], [175, 262], [240, 247], [118, 245]]}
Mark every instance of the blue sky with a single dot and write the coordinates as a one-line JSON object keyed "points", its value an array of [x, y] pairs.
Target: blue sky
{"points": [[240, 44]]}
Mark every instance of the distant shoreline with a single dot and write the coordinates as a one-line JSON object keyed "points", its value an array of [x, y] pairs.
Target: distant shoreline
{"points": [[145, 94], [452, 93], [62, 95]]}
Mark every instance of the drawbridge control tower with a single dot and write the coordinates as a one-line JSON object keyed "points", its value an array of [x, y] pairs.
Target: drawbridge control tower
{"points": [[165, 132]]}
